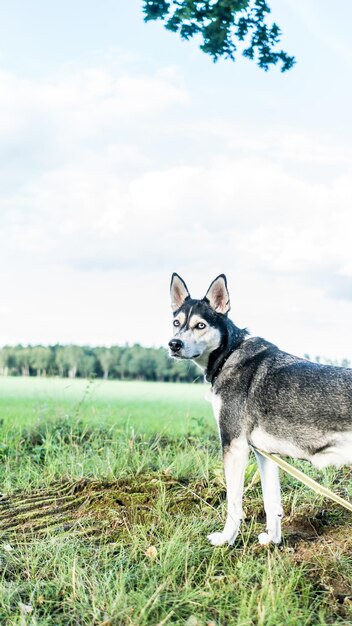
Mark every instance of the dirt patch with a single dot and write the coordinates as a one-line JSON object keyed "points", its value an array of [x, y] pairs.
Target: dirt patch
{"points": [[100, 508], [323, 546], [305, 528]]}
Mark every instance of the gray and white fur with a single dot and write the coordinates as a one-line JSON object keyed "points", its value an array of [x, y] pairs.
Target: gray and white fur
{"points": [[263, 398]]}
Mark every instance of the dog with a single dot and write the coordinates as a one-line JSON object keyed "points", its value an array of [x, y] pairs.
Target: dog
{"points": [[263, 398]]}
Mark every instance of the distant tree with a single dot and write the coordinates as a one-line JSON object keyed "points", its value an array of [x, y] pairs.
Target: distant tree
{"points": [[124, 365], [40, 358], [148, 364], [23, 359], [60, 364], [68, 359], [115, 370], [222, 25], [327, 361], [106, 358], [141, 364], [7, 360], [163, 365], [4, 370], [86, 365]]}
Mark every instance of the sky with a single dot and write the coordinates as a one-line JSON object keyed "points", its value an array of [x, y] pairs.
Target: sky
{"points": [[127, 154]]}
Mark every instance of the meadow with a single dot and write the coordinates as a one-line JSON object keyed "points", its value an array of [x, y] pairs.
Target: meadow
{"points": [[108, 492]]}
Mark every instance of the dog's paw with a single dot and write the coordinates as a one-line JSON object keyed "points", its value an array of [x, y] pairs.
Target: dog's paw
{"points": [[219, 539], [266, 538]]}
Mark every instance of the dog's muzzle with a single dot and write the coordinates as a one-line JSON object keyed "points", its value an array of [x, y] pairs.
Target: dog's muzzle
{"points": [[175, 345]]}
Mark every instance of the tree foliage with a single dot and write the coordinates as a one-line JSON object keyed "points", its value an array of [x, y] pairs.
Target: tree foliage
{"points": [[223, 26], [118, 362]]}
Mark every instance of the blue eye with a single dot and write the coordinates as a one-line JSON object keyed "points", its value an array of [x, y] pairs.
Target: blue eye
{"points": [[200, 325], [176, 323]]}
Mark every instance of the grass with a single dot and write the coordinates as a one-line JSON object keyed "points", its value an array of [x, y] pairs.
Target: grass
{"points": [[109, 492]]}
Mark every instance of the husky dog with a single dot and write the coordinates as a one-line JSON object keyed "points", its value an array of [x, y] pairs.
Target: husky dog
{"points": [[262, 397]]}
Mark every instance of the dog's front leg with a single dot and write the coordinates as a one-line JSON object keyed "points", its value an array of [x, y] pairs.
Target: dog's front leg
{"points": [[269, 475], [235, 461]]}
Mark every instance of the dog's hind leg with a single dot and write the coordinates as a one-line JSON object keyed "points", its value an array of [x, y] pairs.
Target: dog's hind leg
{"points": [[269, 475], [235, 461]]}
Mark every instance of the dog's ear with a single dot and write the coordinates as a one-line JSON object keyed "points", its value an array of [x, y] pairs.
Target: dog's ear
{"points": [[217, 295], [178, 291]]}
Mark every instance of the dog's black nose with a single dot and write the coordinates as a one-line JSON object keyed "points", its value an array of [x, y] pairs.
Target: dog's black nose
{"points": [[175, 345]]}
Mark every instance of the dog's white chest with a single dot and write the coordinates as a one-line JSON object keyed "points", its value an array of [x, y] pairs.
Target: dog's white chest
{"points": [[216, 404]]}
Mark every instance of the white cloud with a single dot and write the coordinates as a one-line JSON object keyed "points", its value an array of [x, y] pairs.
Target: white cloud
{"points": [[88, 214], [107, 184]]}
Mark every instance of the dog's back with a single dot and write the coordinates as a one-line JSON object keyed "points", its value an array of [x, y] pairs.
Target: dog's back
{"points": [[285, 404]]}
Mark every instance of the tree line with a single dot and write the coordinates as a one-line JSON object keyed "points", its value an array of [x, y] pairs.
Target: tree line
{"points": [[117, 362]]}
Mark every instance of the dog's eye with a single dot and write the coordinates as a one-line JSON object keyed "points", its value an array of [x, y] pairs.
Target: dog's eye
{"points": [[176, 323], [200, 325]]}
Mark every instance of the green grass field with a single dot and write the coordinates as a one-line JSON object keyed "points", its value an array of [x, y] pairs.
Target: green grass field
{"points": [[109, 490]]}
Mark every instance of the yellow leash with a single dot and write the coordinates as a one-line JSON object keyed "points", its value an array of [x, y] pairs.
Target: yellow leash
{"points": [[309, 482]]}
